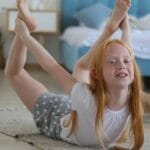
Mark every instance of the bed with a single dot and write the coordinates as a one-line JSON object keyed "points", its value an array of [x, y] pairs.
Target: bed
{"points": [[83, 20]]}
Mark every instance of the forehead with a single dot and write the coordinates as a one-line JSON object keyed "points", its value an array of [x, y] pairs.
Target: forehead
{"points": [[116, 49]]}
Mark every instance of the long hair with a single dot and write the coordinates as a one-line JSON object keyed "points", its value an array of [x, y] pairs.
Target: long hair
{"points": [[98, 89]]}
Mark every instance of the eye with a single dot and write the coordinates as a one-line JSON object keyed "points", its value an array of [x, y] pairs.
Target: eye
{"points": [[127, 61], [112, 61]]}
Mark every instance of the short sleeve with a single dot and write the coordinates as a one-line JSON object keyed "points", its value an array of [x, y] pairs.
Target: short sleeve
{"points": [[78, 95]]}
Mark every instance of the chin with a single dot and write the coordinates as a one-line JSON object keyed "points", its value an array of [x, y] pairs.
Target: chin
{"points": [[123, 85]]}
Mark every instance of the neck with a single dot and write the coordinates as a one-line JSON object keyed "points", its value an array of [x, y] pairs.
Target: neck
{"points": [[117, 99]]}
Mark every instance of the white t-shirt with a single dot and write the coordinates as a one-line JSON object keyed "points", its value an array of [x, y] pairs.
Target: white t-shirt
{"points": [[83, 102]]}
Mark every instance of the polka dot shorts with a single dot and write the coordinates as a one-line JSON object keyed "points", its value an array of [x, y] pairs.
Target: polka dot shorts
{"points": [[48, 111]]}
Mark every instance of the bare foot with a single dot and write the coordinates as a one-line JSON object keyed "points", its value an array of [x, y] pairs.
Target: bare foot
{"points": [[25, 15], [119, 12]]}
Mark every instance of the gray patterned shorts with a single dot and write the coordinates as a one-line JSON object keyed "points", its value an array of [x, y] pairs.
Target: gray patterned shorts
{"points": [[48, 111]]}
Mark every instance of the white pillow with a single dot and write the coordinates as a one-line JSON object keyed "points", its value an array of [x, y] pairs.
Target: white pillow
{"points": [[144, 22]]}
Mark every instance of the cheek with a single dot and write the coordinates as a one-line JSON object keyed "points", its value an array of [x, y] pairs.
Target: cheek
{"points": [[108, 69], [107, 72], [131, 71]]}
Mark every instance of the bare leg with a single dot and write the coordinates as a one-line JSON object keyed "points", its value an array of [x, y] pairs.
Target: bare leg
{"points": [[81, 68], [25, 15], [126, 31], [25, 86]]}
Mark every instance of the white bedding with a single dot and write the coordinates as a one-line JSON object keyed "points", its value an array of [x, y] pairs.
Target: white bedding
{"points": [[84, 36]]}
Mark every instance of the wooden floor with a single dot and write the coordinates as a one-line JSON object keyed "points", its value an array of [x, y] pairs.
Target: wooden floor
{"points": [[17, 130]]}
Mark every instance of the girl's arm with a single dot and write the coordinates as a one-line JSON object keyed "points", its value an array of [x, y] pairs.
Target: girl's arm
{"points": [[47, 62], [81, 68]]}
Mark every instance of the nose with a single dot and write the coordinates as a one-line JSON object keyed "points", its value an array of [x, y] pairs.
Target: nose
{"points": [[121, 65]]}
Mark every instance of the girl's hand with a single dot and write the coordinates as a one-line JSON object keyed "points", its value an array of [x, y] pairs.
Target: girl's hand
{"points": [[21, 28]]}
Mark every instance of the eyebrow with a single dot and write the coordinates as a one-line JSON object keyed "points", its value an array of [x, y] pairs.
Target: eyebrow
{"points": [[115, 57]]}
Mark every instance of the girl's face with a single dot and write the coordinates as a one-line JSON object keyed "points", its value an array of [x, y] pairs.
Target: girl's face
{"points": [[118, 67]]}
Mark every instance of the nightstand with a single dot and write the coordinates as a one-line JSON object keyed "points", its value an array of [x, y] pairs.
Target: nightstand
{"points": [[48, 22]]}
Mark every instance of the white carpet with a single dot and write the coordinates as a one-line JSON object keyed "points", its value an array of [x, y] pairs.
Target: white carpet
{"points": [[18, 122]]}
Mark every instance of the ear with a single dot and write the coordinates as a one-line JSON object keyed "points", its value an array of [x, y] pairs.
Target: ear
{"points": [[93, 73]]}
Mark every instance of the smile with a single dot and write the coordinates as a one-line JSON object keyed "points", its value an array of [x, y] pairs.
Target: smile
{"points": [[121, 75]]}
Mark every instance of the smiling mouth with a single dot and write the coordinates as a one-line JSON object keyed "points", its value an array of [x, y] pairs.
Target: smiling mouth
{"points": [[121, 75]]}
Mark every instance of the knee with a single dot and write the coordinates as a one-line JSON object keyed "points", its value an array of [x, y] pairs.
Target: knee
{"points": [[6, 72], [9, 73]]}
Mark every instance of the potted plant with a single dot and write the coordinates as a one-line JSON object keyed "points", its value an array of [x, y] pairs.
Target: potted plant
{"points": [[1, 51]]}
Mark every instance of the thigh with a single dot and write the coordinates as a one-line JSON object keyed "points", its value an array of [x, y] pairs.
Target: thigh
{"points": [[27, 88]]}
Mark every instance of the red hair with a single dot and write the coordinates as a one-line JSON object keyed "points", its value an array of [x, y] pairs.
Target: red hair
{"points": [[99, 91]]}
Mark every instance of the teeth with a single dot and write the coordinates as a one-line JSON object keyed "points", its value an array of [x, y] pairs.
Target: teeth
{"points": [[121, 75]]}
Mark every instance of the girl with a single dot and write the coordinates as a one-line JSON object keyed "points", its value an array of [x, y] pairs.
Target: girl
{"points": [[105, 110]]}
